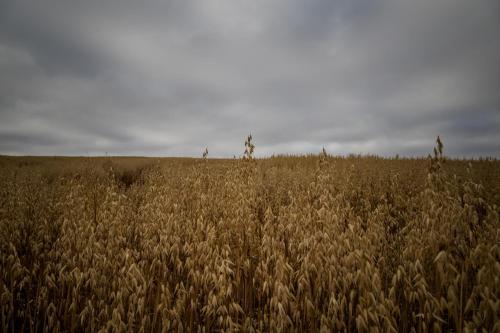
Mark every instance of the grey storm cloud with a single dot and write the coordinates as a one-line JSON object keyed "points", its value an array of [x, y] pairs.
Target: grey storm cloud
{"points": [[168, 78]]}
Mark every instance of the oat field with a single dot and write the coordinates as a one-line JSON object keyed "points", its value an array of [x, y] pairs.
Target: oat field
{"points": [[281, 244]]}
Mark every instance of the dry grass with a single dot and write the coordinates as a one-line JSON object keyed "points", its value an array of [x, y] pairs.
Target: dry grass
{"points": [[316, 243]]}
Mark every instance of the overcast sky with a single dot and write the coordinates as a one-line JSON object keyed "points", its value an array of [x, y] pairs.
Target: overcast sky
{"points": [[168, 78]]}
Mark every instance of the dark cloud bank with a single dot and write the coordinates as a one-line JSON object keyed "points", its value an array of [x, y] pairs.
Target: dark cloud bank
{"points": [[168, 78]]}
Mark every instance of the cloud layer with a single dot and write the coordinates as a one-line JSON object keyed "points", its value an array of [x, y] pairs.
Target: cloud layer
{"points": [[168, 78]]}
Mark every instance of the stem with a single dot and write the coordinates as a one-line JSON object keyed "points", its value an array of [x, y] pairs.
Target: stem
{"points": [[460, 320]]}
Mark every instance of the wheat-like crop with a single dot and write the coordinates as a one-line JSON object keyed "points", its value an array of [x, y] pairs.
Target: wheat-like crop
{"points": [[283, 244]]}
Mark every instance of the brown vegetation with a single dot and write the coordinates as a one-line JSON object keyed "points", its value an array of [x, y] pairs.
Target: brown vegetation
{"points": [[313, 243]]}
